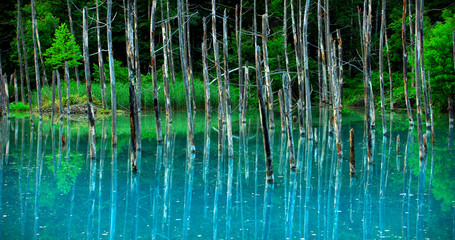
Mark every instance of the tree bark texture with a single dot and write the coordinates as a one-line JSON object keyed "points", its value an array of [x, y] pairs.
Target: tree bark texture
{"points": [[159, 135], [110, 51], [268, 81], [88, 82]]}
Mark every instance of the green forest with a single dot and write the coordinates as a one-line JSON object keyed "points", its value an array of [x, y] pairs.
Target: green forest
{"points": [[55, 30]]}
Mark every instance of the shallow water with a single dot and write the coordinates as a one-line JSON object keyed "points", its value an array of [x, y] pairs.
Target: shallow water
{"points": [[53, 190]]}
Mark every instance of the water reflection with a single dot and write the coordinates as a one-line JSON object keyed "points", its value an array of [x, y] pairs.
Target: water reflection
{"points": [[176, 195]]}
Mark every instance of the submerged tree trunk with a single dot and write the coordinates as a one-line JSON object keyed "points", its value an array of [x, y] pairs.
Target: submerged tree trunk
{"points": [[132, 93], [112, 73], [381, 66], [367, 91], [68, 93], [159, 135], [405, 66], [27, 76], [137, 68], [185, 72], [265, 130], [19, 51], [167, 96], [226, 87], [205, 70], [76, 68], [268, 81], [60, 105], [88, 82], [35, 54], [418, 59], [218, 76], [287, 99], [100, 58], [307, 71], [238, 38]]}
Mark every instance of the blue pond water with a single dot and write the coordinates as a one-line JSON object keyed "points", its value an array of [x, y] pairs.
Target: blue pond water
{"points": [[53, 190]]}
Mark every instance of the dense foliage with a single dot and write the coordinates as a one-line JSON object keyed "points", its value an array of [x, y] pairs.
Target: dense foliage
{"points": [[439, 24], [63, 49]]}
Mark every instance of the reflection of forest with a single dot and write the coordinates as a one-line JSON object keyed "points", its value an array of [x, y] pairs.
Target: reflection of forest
{"points": [[177, 195]]}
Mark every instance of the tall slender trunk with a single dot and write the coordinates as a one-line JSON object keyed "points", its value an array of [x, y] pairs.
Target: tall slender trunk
{"points": [[137, 68], [327, 45], [16, 93], [405, 65], [35, 54], [218, 76], [418, 67], [88, 83], [367, 30], [185, 72], [307, 71], [19, 51], [60, 105], [268, 81], [206, 70], [53, 97], [226, 87], [159, 135], [166, 73], [4, 89], [265, 130], [287, 99], [132, 93], [422, 70], [76, 68], [238, 38], [68, 93], [245, 92], [390, 71], [170, 47], [298, 66], [188, 51], [339, 95], [381, 66], [27, 76], [110, 51], [100, 58]]}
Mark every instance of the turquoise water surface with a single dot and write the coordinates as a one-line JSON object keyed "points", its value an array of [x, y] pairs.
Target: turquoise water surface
{"points": [[51, 189]]}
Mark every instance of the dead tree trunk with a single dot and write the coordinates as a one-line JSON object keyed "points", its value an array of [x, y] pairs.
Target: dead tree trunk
{"points": [[187, 39], [110, 51], [16, 94], [185, 72], [35, 54], [238, 37], [245, 92], [226, 87], [19, 52], [265, 130], [352, 153], [367, 84], [418, 57], [431, 108], [306, 70], [4, 89], [166, 74], [68, 93], [422, 69], [381, 66], [390, 72], [450, 109], [287, 99], [338, 90], [76, 68], [159, 135], [53, 96], [268, 81], [405, 65], [88, 82], [206, 71], [132, 93], [218, 76], [327, 45], [170, 48], [299, 68], [282, 114], [24, 50], [100, 58], [137, 68], [60, 105]]}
